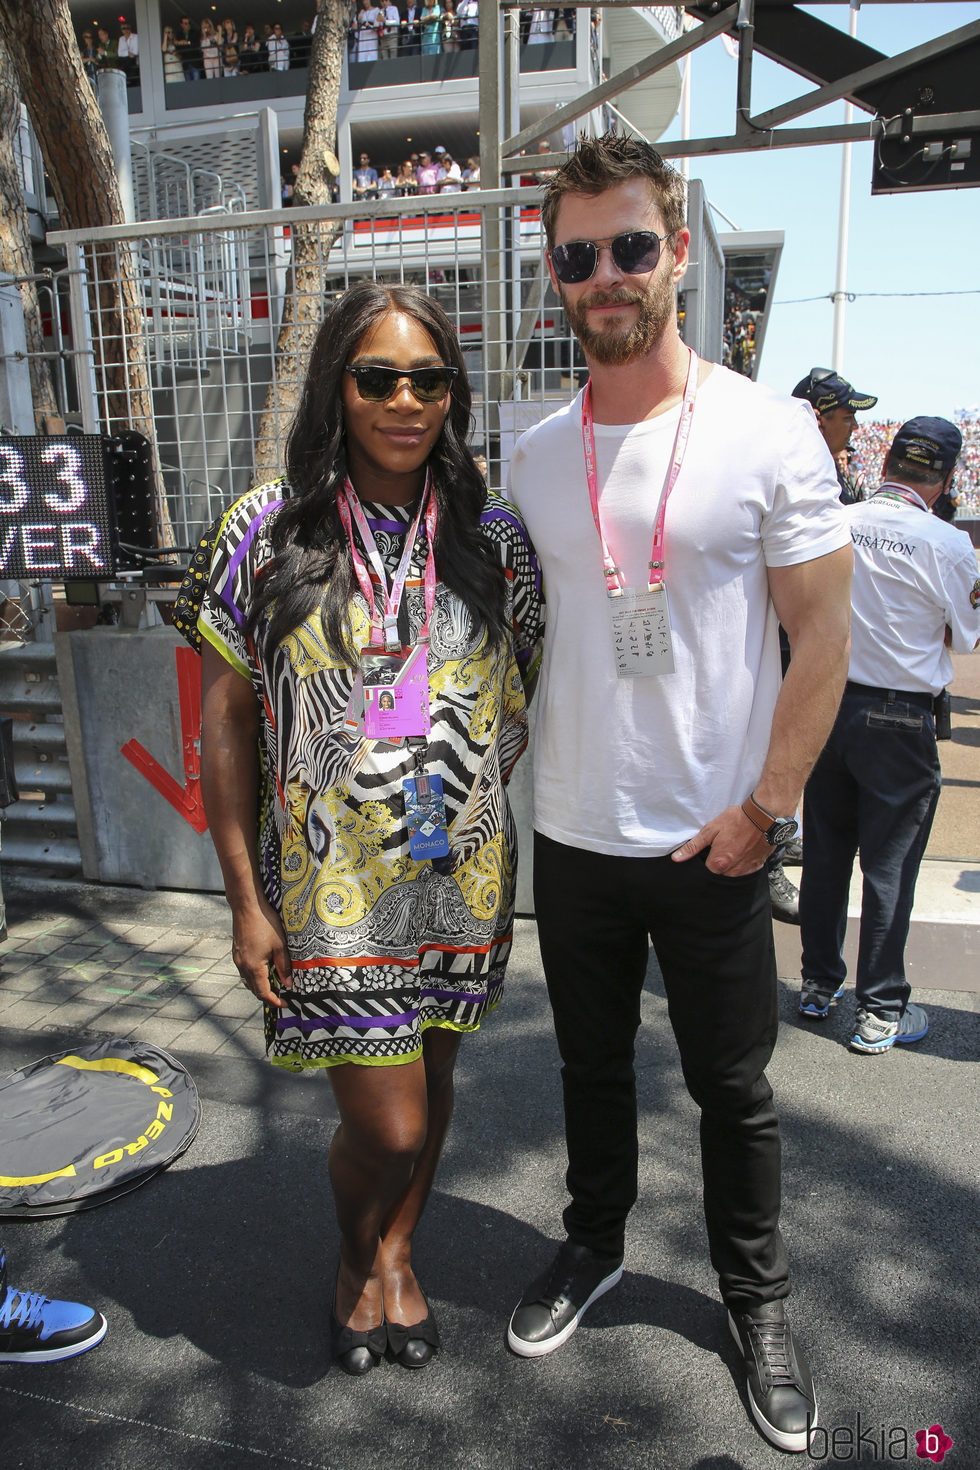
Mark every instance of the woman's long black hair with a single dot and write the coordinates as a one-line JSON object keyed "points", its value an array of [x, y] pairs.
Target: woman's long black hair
{"points": [[313, 566]]}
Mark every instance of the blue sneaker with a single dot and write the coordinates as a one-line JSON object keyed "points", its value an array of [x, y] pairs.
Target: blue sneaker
{"points": [[37, 1329], [815, 1003], [874, 1034]]}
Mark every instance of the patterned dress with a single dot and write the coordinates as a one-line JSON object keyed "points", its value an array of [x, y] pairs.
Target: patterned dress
{"points": [[382, 945]]}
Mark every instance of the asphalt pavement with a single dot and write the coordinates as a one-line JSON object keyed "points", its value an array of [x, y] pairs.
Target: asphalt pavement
{"points": [[216, 1276]]}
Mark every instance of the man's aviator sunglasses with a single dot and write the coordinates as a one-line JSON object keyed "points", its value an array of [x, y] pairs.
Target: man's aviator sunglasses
{"points": [[634, 253], [376, 384]]}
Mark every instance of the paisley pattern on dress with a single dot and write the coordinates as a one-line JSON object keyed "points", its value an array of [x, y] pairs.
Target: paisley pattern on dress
{"points": [[382, 945]]}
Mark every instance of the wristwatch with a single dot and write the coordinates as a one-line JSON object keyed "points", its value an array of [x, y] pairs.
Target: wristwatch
{"points": [[774, 829]]}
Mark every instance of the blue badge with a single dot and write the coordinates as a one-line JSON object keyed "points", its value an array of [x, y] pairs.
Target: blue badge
{"points": [[425, 809]]}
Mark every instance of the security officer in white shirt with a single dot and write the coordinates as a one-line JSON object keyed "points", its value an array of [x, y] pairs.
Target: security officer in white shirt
{"points": [[874, 789]]}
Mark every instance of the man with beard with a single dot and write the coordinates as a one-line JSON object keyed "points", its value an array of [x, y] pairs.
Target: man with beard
{"points": [[668, 755]]}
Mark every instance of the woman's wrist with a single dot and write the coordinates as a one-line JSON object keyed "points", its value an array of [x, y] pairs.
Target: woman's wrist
{"points": [[243, 890]]}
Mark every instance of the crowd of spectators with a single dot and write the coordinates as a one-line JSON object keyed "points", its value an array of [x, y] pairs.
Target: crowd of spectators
{"points": [[192, 50], [870, 442], [739, 332], [429, 173], [381, 32], [99, 48], [421, 173]]}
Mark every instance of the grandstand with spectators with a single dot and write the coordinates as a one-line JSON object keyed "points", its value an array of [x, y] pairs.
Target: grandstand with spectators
{"points": [[870, 441]]}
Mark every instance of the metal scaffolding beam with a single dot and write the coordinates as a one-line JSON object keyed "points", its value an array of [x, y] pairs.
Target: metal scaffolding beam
{"points": [[882, 71], [900, 87], [629, 77]]}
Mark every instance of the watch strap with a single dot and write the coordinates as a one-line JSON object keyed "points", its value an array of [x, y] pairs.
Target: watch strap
{"points": [[758, 815]]}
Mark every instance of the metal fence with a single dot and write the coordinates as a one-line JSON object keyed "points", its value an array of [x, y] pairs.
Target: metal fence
{"points": [[198, 356], [211, 292]]}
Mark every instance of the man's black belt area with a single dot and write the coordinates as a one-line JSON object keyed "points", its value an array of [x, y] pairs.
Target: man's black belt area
{"points": [[907, 696]]}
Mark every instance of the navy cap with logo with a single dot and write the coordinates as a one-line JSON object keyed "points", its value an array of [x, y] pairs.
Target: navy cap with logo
{"points": [[827, 390], [933, 443]]}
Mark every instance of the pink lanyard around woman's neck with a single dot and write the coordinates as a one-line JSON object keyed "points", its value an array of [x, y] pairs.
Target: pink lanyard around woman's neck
{"points": [[351, 510]]}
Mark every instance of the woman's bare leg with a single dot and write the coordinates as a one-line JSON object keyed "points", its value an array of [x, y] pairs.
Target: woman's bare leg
{"points": [[403, 1300], [381, 1136]]}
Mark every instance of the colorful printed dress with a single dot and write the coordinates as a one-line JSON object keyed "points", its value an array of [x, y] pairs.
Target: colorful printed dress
{"points": [[382, 945]]}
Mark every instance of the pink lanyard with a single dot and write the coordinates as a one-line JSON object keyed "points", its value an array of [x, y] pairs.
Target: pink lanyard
{"points": [[613, 575], [349, 506]]}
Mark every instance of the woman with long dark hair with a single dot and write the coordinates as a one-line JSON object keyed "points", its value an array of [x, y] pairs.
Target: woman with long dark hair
{"points": [[368, 848]]}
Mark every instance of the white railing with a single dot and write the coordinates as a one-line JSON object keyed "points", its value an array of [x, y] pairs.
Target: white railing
{"points": [[670, 18]]}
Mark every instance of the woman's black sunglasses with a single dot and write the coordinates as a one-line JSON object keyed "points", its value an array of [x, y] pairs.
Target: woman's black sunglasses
{"points": [[376, 384], [635, 252]]}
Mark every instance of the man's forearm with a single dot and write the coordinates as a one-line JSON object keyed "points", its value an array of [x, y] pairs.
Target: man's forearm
{"points": [[804, 716], [813, 603]]}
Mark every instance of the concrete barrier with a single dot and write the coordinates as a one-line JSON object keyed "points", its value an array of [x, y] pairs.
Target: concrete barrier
{"points": [[119, 685]]}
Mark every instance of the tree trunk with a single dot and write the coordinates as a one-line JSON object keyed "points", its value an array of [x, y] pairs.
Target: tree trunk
{"points": [[303, 308], [40, 41], [16, 258]]}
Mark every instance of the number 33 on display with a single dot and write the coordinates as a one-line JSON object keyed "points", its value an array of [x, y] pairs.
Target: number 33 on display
{"points": [[51, 485]]}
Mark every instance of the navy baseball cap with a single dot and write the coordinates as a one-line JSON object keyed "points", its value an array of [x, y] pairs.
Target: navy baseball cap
{"points": [[826, 390], [933, 443]]}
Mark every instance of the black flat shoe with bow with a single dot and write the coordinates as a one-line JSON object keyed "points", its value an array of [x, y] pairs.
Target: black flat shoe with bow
{"points": [[357, 1352], [417, 1345]]}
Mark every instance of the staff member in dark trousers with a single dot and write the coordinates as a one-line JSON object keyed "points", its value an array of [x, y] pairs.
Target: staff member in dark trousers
{"points": [[875, 787], [836, 403]]}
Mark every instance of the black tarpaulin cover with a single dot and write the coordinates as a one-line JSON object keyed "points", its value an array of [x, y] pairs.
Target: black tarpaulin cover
{"points": [[82, 1126]]}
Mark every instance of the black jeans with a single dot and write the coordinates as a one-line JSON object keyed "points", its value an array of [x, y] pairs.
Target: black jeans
{"points": [[874, 789], [713, 939]]}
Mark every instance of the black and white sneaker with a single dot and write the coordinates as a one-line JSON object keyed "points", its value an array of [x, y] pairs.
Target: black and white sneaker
{"points": [[784, 897], [780, 1386], [553, 1305]]}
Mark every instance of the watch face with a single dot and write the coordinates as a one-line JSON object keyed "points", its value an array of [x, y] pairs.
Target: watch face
{"points": [[781, 831]]}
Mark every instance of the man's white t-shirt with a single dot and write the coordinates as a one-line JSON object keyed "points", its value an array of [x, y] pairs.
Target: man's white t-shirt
{"points": [[914, 576], [634, 767]]}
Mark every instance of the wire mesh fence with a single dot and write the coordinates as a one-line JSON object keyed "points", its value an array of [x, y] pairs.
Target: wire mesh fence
{"points": [[197, 331]]}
